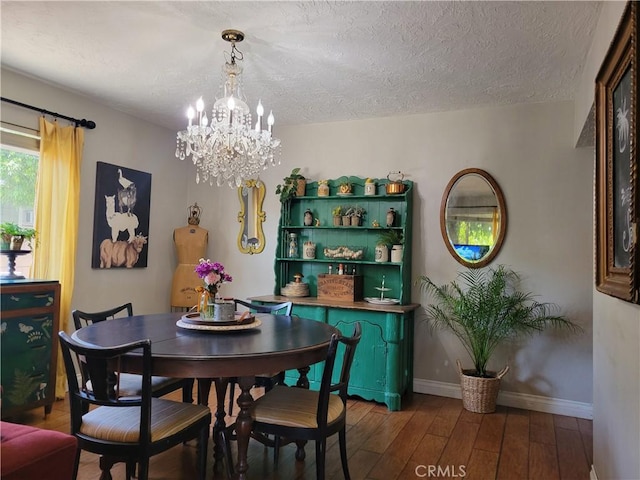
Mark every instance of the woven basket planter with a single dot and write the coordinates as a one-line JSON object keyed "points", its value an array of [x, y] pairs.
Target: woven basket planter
{"points": [[479, 394]]}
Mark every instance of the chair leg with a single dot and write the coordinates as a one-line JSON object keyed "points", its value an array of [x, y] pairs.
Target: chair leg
{"points": [[105, 467], [203, 442], [342, 439], [232, 391], [321, 446], [276, 450], [226, 447], [143, 469], [187, 390], [130, 469], [77, 464]]}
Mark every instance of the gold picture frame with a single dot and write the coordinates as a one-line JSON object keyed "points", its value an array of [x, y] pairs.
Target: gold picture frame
{"points": [[617, 163]]}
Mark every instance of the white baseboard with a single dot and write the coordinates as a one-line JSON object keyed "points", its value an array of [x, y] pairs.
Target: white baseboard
{"points": [[592, 473], [512, 399]]}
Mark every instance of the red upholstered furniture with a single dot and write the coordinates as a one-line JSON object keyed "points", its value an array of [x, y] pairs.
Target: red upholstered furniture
{"points": [[33, 453]]}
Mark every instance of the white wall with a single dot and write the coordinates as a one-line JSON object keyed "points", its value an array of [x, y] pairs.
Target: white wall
{"points": [[616, 324], [547, 185], [121, 140]]}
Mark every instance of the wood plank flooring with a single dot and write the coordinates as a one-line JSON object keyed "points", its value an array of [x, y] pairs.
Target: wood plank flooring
{"points": [[432, 437]]}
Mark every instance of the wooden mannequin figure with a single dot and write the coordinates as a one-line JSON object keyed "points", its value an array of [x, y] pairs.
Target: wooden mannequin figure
{"points": [[191, 246]]}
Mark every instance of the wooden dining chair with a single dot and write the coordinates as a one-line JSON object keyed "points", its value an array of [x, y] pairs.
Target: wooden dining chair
{"points": [[266, 380], [120, 427], [131, 383], [292, 414]]}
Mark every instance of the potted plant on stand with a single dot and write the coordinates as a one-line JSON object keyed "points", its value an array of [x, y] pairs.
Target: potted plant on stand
{"points": [[13, 236], [293, 185], [23, 234], [483, 311], [7, 231], [392, 239]]}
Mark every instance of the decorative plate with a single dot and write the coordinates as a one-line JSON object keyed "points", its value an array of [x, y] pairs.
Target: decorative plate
{"points": [[219, 328], [241, 318], [382, 301]]}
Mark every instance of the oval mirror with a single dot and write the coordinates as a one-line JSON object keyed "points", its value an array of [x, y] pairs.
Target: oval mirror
{"points": [[251, 216], [473, 217]]}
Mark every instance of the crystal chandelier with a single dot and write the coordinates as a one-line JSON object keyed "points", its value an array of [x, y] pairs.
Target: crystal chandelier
{"points": [[228, 146]]}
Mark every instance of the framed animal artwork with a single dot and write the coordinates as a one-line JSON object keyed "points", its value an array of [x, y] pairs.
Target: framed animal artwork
{"points": [[121, 217]]}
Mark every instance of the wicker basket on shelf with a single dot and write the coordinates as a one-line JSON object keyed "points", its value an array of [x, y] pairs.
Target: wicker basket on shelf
{"points": [[479, 394]]}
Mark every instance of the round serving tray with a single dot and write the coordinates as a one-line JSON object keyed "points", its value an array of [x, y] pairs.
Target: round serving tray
{"points": [[241, 318], [210, 326], [382, 301]]}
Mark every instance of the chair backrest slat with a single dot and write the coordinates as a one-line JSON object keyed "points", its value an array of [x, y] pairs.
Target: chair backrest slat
{"points": [[82, 319], [280, 308], [326, 385]]}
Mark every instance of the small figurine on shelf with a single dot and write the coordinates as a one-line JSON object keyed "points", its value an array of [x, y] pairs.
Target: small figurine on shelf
{"points": [[323, 188], [391, 217], [345, 188], [308, 218], [369, 186], [293, 245]]}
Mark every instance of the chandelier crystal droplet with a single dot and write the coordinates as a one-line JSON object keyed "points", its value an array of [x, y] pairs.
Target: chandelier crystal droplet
{"points": [[228, 146]]}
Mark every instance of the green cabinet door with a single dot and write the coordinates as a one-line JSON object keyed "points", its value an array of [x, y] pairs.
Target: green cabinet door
{"points": [[26, 356]]}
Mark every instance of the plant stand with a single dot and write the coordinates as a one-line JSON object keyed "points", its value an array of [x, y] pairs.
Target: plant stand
{"points": [[11, 255]]}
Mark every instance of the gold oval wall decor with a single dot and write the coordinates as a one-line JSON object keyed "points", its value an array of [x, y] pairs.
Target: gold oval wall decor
{"points": [[473, 217], [251, 216]]}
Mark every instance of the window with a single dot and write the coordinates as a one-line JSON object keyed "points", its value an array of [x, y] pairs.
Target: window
{"points": [[18, 174]]}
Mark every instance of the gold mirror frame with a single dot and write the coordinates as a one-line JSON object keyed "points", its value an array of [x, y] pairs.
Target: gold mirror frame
{"points": [[500, 222], [251, 216]]}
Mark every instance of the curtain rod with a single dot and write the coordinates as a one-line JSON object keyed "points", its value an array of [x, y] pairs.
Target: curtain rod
{"points": [[79, 123]]}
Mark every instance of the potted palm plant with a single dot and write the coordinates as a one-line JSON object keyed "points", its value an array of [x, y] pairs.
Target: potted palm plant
{"points": [[483, 311]]}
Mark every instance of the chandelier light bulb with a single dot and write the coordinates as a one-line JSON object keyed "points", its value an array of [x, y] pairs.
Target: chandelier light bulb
{"points": [[270, 121], [191, 113], [229, 148]]}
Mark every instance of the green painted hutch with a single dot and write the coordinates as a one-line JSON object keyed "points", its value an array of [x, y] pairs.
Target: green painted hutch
{"points": [[383, 366]]}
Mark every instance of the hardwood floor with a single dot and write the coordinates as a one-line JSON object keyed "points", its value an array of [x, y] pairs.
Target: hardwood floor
{"points": [[433, 437]]}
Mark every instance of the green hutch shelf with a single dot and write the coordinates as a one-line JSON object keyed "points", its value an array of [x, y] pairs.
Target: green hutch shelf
{"points": [[383, 366]]}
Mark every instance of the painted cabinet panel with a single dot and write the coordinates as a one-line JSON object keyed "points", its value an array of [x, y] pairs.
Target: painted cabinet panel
{"points": [[30, 319], [383, 366]]}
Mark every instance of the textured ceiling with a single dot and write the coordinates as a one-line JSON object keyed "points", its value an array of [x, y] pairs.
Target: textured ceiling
{"points": [[308, 61]]}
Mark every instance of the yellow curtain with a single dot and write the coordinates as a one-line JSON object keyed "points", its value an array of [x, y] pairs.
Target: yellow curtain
{"points": [[57, 207]]}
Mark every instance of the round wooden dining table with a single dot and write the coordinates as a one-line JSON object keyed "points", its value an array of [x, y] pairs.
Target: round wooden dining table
{"points": [[279, 343]]}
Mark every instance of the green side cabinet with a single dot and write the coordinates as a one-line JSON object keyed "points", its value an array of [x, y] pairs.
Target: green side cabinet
{"points": [[382, 369], [29, 347]]}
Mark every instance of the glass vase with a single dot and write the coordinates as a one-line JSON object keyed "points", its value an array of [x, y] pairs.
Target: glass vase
{"points": [[207, 305]]}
